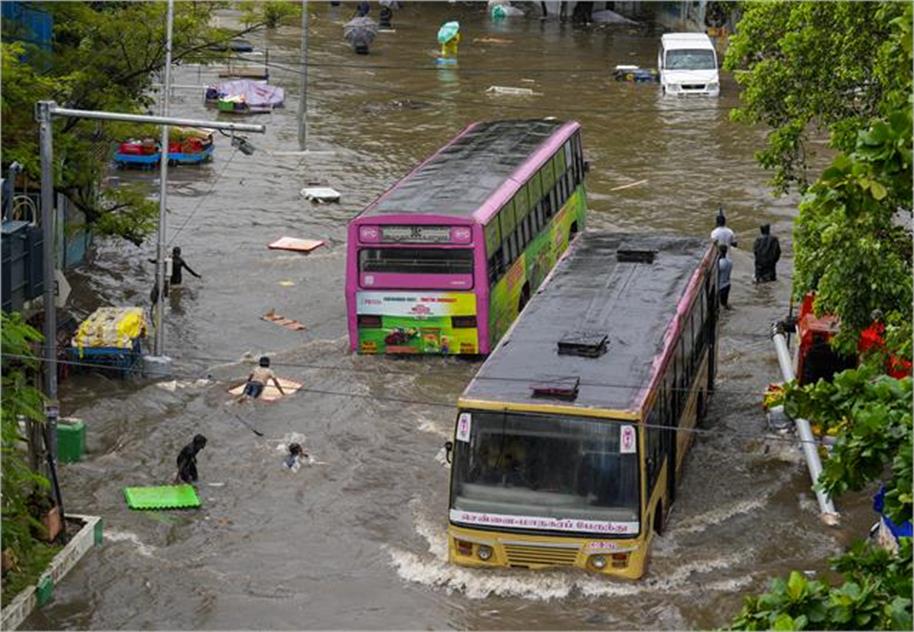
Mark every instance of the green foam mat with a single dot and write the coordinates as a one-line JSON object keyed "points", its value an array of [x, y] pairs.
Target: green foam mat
{"points": [[162, 497]]}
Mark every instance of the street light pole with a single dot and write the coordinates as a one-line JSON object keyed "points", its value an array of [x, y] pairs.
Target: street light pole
{"points": [[50, 309], [303, 103], [159, 344], [46, 111]]}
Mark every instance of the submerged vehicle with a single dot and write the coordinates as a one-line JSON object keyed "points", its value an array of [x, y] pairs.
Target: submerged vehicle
{"points": [[571, 439], [688, 65], [445, 259]]}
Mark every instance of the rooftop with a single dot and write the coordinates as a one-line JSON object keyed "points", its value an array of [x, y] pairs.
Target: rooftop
{"points": [[591, 294], [458, 179]]}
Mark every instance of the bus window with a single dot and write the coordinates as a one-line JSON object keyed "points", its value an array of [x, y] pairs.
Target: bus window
{"points": [[547, 176], [521, 204], [540, 217], [417, 260], [519, 464], [558, 163], [535, 189], [494, 267], [493, 237], [506, 220]]}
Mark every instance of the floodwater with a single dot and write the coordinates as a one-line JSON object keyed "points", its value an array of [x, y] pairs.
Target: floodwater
{"points": [[357, 538]]}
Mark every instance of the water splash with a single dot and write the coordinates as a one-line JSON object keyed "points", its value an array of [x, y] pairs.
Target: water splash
{"points": [[146, 550], [432, 569]]}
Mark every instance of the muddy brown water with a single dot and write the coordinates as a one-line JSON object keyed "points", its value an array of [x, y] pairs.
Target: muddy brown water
{"points": [[357, 539]]}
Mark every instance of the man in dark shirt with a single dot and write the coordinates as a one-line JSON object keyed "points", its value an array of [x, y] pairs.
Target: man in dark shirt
{"points": [[767, 251], [187, 460]]}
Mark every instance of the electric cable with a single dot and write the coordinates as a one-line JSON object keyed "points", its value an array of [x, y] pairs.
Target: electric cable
{"points": [[203, 197], [388, 371], [453, 405]]}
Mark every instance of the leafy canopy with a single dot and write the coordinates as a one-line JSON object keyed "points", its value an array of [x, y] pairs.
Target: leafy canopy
{"points": [[92, 65], [807, 68], [20, 400]]}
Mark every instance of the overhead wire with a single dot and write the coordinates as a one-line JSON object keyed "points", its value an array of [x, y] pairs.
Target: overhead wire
{"points": [[203, 197], [452, 406], [389, 371]]}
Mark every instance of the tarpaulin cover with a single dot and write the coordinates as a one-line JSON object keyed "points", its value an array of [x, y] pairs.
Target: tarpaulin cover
{"points": [[254, 93], [468, 170], [114, 327], [591, 293]]}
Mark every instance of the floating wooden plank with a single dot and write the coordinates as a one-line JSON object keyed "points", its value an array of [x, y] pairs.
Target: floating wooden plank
{"points": [[270, 392], [296, 245], [246, 72], [628, 186], [282, 321]]}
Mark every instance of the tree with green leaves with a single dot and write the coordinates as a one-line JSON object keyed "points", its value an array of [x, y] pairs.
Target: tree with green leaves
{"points": [[872, 413], [93, 66], [813, 68], [20, 401], [844, 68]]}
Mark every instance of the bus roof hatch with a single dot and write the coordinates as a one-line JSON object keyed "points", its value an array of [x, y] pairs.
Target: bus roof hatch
{"points": [[561, 388], [586, 344]]}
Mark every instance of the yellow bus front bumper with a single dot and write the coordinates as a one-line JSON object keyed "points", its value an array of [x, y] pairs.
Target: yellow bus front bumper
{"points": [[490, 549]]}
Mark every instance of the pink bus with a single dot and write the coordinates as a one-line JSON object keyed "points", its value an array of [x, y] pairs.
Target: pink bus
{"points": [[445, 260]]}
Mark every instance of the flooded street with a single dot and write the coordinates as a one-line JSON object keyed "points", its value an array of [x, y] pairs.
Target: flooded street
{"points": [[357, 538]]}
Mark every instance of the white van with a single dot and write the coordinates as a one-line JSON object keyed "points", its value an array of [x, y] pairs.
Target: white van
{"points": [[688, 65]]}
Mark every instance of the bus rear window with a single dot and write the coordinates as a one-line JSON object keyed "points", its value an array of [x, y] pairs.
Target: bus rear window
{"points": [[417, 260]]}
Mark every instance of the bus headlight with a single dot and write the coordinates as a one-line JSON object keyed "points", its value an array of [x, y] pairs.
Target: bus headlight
{"points": [[484, 552], [598, 562]]}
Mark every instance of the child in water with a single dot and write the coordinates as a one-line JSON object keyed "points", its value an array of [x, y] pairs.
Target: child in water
{"points": [[295, 457], [187, 460], [258, 379]]}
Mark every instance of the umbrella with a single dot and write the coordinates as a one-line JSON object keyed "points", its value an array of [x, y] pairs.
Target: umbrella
{"points": [[360, 32], [448, 31]]}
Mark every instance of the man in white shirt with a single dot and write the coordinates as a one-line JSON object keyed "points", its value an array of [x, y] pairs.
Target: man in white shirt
{"points": [[722, 235]]}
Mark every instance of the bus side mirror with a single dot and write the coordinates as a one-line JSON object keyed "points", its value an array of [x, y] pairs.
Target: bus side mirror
{"points": [[448, 448], [586, 166]]}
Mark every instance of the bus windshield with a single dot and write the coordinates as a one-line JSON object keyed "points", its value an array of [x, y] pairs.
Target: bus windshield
{"points": [[560, 473], [417, 260], [690, 59]]}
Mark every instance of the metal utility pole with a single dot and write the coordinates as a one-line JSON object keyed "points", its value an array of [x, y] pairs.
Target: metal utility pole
{"points": [[47, 110], [827, 510], [303, 103], [159, 344], [48, 234]]}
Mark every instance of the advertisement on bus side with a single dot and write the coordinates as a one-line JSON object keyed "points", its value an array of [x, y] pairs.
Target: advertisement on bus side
{"points": [[417, 321], [532, 266]]}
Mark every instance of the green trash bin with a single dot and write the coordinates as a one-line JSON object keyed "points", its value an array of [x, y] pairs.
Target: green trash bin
{"points": [[71, 439]]}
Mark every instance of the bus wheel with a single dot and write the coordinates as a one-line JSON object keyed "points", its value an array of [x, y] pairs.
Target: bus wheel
{"points": [[524, 297], [658, 518]]}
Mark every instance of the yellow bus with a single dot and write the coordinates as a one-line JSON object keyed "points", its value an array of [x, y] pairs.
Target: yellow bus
{"points": [[570, 439]]}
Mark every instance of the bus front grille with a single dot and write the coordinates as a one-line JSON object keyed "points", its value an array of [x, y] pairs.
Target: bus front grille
{"points": [[526, 555]]}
